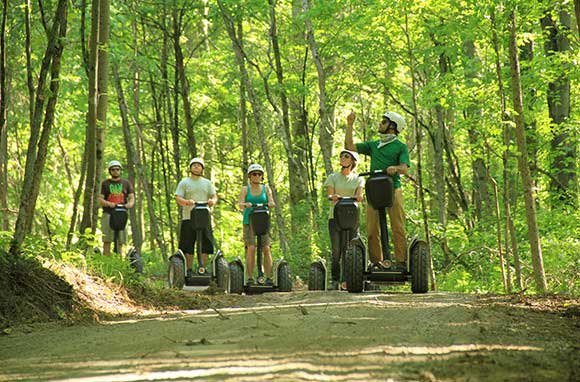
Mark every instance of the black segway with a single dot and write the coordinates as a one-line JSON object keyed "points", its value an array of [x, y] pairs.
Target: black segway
{"points": [[118, 222], [201, 277], [281, 279], [347, 218], [357, 272]]}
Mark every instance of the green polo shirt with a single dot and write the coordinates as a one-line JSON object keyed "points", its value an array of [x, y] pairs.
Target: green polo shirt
{"points": [[393, 154]]}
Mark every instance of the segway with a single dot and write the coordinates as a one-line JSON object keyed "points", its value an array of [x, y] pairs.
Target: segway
{"points": [[346, 216], [357, 270], [118, 222], [201, 277], [281, 279]]}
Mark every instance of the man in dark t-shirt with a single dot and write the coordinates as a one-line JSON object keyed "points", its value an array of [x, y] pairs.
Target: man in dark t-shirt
{"points": [[114, 191]]}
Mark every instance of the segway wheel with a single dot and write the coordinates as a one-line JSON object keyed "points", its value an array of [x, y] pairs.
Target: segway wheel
{"points": [[284, 278], [316, 278], [420, 267], [236, 278], [135, 260], [353, 269], [222, 273], [176, 274]]}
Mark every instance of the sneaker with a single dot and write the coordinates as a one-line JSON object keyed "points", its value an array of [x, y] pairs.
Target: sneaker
{"points": [[269, 282], [250, 282]]}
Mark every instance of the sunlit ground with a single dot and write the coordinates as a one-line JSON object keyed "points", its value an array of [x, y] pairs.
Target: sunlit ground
{"points": [[304, 337]]}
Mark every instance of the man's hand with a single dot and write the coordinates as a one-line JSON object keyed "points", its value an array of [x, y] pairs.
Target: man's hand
{"points": [[392, 170], [351, 118]]}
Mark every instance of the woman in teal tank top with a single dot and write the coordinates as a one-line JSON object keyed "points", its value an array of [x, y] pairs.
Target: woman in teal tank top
{"points": [[256, 193]]}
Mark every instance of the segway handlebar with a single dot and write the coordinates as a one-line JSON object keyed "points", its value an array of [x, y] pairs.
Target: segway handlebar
{"points": [[342, 197], [376, 172]]}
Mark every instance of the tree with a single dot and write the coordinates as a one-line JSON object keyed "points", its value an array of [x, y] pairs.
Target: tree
{"points": [[41, 125], [531, 218]]}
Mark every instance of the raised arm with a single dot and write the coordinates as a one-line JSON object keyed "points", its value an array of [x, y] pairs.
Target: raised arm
{"points": [[348, 142]]}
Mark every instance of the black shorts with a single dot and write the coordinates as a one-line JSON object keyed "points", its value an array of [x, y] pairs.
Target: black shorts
{"points": [[187, 238]]}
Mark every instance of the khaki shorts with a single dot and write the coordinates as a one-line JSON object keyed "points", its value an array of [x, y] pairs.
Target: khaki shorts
{"points": [[108, 233], [250, 237]]}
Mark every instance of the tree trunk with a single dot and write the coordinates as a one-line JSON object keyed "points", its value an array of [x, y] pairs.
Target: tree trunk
{"points": [[132, 160], [89, 197], [256, 107], [243, 117], [183, 83], [531, 218], [418, 142], [39, 135], [103, 97], [509, 227], [296, 168], [577, 12], [4, 221], [326, 129], [564, 185]]}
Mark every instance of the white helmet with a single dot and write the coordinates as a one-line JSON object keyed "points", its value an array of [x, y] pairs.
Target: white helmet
{"points": [[354, 156], [397, 119], [255, 167], [114, 163], [196, 160]]}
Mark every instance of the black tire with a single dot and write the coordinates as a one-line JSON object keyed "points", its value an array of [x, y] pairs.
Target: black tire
{"points": [[284, 278], [222, 274], [317, 277], [176, 273], [135, 261], [236, 278], [420, 267], [353, 269]]}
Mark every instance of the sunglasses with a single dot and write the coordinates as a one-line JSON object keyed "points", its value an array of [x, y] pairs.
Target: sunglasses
{"points": [[256, 174], [115, 169], [345, 155]]}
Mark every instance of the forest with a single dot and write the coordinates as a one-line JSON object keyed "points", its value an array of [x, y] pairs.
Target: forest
{"points": [[488, 90]]}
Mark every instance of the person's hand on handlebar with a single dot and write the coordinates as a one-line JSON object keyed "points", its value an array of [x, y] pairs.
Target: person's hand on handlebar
{"points": [[210, 203], [392, 170], [333, 197], [271, 204]]}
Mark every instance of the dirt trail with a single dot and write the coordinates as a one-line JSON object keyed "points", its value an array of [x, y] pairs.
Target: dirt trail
{"points": [[310, 336]]}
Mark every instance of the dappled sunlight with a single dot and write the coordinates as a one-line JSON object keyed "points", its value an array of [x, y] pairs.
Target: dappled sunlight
{"points": [[361, 364]]}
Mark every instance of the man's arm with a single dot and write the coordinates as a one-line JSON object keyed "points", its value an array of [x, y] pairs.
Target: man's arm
{"points": [[348, 141], [130, 201], [105, 203], [399, 169], [212, 200], [184, 202]]}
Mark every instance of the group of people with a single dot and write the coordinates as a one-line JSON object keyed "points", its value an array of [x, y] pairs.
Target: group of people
{"points": [[388, 154]]}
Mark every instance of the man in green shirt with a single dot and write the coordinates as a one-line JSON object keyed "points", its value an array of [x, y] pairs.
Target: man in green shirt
{"points": [[390, 155]]}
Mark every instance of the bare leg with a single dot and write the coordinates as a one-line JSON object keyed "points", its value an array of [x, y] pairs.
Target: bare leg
{"points": [[267, 261], [188, 260], [250, 261], [106, 248]]}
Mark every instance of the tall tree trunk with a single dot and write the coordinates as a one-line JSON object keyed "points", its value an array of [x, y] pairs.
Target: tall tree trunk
{"points": [[326, 129], [511, 241], [183, 83], [4, 221], [91, 180], [243, 117], [102, 97], [132, 159], [564, 185], [531, 218], [296, 168], [473, 113], [40, 127], [577, 12], [256, 108], [418, 142]]}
